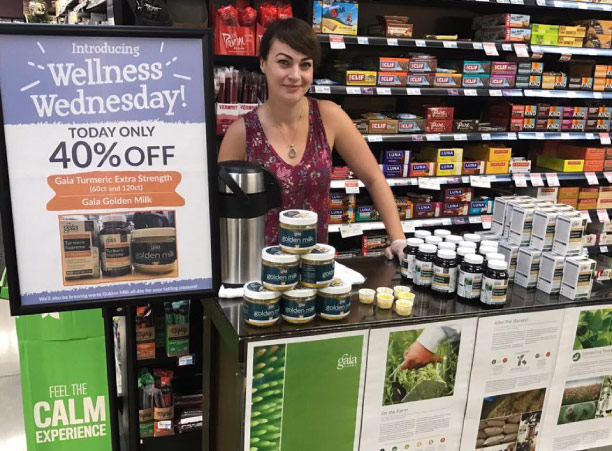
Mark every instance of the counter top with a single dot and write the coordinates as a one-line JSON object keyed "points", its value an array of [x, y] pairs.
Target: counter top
{"points": [[227, 313]]}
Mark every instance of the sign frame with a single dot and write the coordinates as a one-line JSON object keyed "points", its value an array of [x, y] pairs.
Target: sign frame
{"points": [[6, 210]]}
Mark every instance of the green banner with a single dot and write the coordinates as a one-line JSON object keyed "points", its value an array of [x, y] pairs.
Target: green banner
{"points": [[305, 394], [64, 381]]}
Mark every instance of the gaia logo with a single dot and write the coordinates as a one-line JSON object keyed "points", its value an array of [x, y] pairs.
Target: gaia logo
{"points": [[347, 361]]}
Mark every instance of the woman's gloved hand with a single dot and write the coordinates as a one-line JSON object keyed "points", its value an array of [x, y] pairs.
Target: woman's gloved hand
{"points": [[396, 248]]}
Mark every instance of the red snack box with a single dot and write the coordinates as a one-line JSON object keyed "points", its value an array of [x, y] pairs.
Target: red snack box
{"points": [[455, 209], [607, 165], [426, 210], [422, 169], [439, 126], [459, 194], [593, 165], [440, 112], [503, 68], [578, 153], [516, 124], [393, 64], [392, 78], [573, 124]]}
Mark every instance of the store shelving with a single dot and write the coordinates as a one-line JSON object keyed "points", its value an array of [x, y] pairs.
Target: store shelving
{"points": [[552, 4], [571, 94], [186, 440], [409, 224], [408, 91], [432, 137]]}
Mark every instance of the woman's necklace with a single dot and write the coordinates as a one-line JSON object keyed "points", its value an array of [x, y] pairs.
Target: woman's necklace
{"points": [[292, 152]]}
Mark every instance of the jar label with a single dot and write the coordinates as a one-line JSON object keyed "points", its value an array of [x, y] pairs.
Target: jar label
{"points": [[298, 238], [444, 279], [410, 267], [469, 285], [299, 309], [261, 312], [313, 273], [280, 275], [494, 291], [115, 251], [332, 306], [423, 272], [163, 253]]}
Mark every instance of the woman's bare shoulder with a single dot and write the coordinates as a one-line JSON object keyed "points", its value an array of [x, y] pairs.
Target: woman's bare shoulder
{"points": [[233, 146]]}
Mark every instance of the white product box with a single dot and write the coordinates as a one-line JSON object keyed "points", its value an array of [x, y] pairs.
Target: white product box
{"points": [[510, 253], [605, 238], [543, 231], [548, 194], [527, 267], [499, 212], [577, 280], [508, 213], [521, 225], [590, 239], [569, 230], [551, 273]]}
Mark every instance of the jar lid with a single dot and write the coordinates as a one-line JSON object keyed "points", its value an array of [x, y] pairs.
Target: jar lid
{"points": [[473, 237], [422, 234], [446, 254], [442, 233], [499, 265], [414, 242], [274, 254], [489, 243], [113, 218], [447, 246], [433, 240], [463, 251], [255, 290], [484, 250], [428, 248], [474, 259], [321, 252], [495, 256], [453, 239], [298, 217], [301, 293], [468, 244], [154, 232], [338, 286]]}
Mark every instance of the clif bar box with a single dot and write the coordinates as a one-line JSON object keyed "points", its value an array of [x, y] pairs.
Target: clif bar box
{"points": [[503, 68], [476, 67], [447, 80], [423, 64], [502, 81], [420, 80], [394, 64], [476, 81], [360, 78], [392, 78]]}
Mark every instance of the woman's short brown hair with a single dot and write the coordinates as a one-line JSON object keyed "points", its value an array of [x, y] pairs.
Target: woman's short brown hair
{"points": [[294, 32]]}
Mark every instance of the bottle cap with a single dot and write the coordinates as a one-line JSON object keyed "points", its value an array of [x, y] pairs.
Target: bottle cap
{"points": [[422, 234], [499, 265], [473, 237], [414, 242], [456, 239], [447, 246], [446, 254], [495, 256], [489, 243], [428, 248], [433, 240], [468, 244], [442, 233], [484, 250], [463, 251], [474, 259]]}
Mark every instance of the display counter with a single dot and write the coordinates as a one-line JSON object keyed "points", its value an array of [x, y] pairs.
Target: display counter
{"points": [[230, 359]]}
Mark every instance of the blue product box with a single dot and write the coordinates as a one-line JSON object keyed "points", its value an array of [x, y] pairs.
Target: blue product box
{"points": [[394, 170], [476, 81], [480, 207], [394, 157]]}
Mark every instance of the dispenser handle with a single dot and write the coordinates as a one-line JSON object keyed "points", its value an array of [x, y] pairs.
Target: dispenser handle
{"points": [[229, 181], [273, 191]]}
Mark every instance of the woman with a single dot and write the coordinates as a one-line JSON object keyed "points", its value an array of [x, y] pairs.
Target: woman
{"points": [[292, 135]]}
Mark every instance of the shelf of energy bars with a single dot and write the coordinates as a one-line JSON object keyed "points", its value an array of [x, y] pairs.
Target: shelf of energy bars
{"points": [[433, 137], [410, 224], [559, 4]]}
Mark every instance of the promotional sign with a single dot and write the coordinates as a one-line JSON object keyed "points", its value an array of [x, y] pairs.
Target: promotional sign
{"points": [[65, 398], [305, 393], [514, 361], [106, 140], [417, 386], [578, 412]]}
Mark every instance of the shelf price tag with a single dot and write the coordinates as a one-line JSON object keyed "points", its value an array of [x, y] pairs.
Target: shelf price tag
{"points": [[351, 186], [485, 136], [521, 50], [591, 178], [408, 226], [349, 230], [602, 215], [586, 215], [460, 137], [565, 57], [383, 91], [449, 44], [552, 179], [507, 47], [375, 138], [185, 360], [392, 42], [536, 180], [336, 42], [540, 135], [589, 135], [429, 183], [537, 56], [474, 219], [517, 2], [520, 181], [363, 40], [541, 2], [606, 7], [470, 92], [322, 90], [477, 45], [603, 249], [604, 138], [495, 92], [566, 136], [413, 91], [490, 49], [353, 90], [435, 137], [608, 176], [486, 222], [459, 220], [420, 43], [480, 181]]}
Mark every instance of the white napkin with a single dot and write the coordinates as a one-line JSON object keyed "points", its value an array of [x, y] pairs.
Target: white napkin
{"points": [[343, 272]]}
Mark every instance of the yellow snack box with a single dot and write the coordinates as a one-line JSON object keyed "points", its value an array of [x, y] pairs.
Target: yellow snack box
{"points": [[497, 167], [489, 152], [442, 154], [560, 164], [452, 168], [361, 77]]}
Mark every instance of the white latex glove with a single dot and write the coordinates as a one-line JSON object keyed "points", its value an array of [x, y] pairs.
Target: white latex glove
{"points": [[396, 248]]}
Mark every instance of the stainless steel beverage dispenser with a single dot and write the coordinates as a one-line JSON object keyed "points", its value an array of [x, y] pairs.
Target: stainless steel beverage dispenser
{"points": [[246, 191]]}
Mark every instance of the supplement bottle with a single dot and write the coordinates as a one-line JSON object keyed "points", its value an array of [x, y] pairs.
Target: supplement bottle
{"points": [[472, 237], [422, 234], [115, 246], [469, 244], [442, 233], [407, 267], [490, 243], [444, 282], [469, 282], [495, 284], [435, 240], [455, 239], [447, 246], [423, 265], [461, 253]]}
